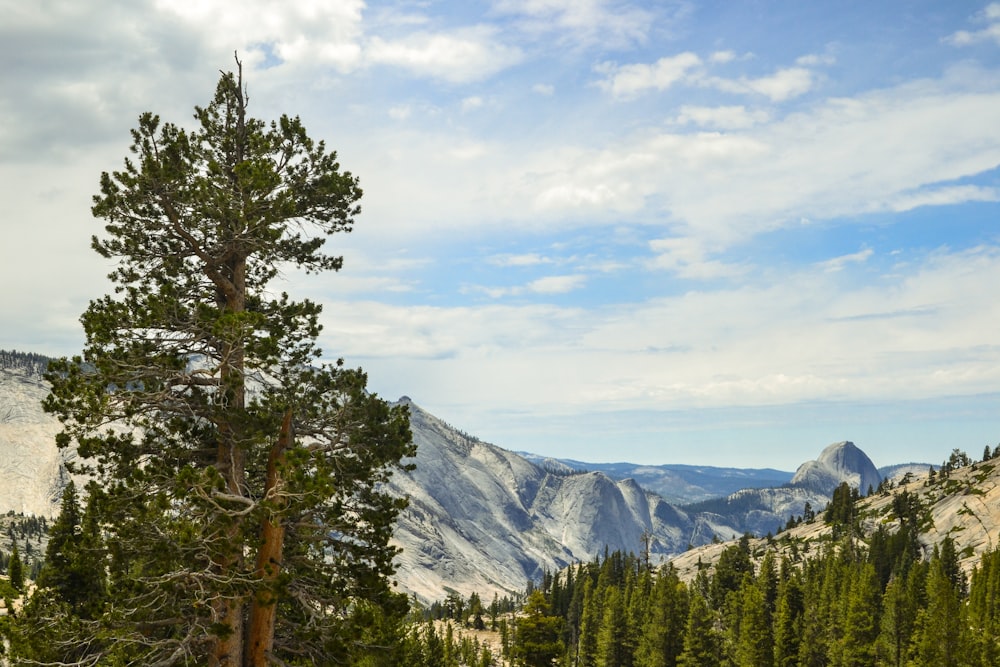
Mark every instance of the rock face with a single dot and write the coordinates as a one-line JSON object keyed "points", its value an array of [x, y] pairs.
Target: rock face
{"points": [[838, 463], [32, 469], [484, 519]]}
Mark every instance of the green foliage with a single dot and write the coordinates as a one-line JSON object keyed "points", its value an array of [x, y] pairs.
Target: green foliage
{"points": [[830, 609], [235, 476], [537, 640]]}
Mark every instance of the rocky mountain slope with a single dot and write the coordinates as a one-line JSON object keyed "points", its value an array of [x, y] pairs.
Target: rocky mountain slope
{"points": [[32, 469], [483, 519], [964, 505]]}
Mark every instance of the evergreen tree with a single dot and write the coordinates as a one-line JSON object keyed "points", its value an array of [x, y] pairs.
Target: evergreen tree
{"points": [[701, 642], [662, 636], [861, 618], [788, 618], [15, 569], [590, 623], [613, 646], [74, 564], [940, 635], [984, 611], [537, 640], [241, 483], [754, 642]]}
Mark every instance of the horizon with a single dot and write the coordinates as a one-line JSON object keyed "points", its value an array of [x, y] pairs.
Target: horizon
{"points": [[691, 231]]}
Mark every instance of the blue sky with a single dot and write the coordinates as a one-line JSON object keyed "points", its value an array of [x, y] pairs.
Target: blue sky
{"points": [[667, 232]]}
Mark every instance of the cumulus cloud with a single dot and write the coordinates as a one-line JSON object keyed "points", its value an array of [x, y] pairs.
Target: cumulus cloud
{"points": [[556, 284], [991, 33], [296, 33], [784, 84], [626, 81], [545, 286], [688, 258], [889, 149], [461, 56], [736, 117], [630, 80]]}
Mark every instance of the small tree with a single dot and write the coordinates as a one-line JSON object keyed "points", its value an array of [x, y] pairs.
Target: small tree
{"points": [[15, 570], [242, 484], [537, 640]]}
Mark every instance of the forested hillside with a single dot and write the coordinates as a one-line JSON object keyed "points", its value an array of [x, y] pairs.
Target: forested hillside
{"points": [[906, 576]]}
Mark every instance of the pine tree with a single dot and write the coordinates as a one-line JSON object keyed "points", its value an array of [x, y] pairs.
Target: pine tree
{"points": [[537, 640], [940, 635], [15, 569], [74, 563], [753, 641], [861, 617], [984, 611], [900, 605], [241, 483], [590, 623], [662, 637], [701, 642], [613, 646], [788, 618]]}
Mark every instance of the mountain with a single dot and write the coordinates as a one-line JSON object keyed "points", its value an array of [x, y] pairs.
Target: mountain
{"points": [[481, 518], [484, 519], [32, 469], [678, 484], [963, 505], [763, 511], [839, 462]]}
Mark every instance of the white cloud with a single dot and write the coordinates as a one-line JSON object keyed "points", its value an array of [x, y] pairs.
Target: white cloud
{"points": [[778, 87], [629, 80], [464, 55], [688, 258], [889, 149], [472, 103], [736, 117], [556, 284], [580, 23], [527, 259], [942, 196], [309, 32], [838, 263], [991, 33], [544, 89], [400, 112], [548, 285]]}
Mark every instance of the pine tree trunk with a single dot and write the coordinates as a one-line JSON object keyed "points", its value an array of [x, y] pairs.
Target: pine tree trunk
{"points": [[263, 612], [231, 463]]}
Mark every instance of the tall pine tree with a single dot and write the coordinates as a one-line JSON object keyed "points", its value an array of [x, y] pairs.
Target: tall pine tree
{"points": [[241, 482]]}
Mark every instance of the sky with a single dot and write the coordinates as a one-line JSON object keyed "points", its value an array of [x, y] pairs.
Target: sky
{"points": [[714, 233]]}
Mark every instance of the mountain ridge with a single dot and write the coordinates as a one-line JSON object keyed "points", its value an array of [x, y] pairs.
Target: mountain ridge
{"points": [[481, 518]]}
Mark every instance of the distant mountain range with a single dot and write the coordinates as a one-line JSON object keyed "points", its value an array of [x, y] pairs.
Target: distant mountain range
{"points": [[487, 520]]}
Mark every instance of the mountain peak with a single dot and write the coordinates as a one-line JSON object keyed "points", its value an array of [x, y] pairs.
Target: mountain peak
{"points": [[840, 462]]}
